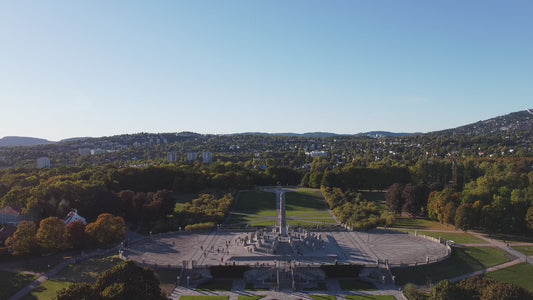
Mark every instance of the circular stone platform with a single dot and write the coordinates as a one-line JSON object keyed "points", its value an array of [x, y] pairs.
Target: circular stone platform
{"points": [[221, 247]]}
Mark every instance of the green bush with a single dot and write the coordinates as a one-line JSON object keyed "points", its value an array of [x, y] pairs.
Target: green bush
{"points": [[200, 226]]}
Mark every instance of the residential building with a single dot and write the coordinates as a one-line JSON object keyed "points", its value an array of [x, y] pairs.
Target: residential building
{"points": [[43, 162], [172, 157], [11, 214], [73, 216], [207, 157], [192, 156]]}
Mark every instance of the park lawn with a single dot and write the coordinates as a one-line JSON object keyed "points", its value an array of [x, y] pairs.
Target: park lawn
{"points": [[457, 237], [526, 250], [410, 223], [10, 283], [216, 285], [304, 207], [204, 297], [88, 270], [47, 290], [462, 261], [369, 297], [322, 297], [521, 274], [356, 285]]}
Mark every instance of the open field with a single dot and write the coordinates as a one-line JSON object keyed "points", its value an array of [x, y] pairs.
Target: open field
{"points": [[462, 261], [303, 207], [521, 274], [10, 283], [47, 290], [409, 223]]}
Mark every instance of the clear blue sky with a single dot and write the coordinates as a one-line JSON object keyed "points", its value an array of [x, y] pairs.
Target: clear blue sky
{"points": [[98, 68]]}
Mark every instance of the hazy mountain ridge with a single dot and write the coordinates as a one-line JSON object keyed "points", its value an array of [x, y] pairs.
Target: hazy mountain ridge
{"points": [[11, 141]]}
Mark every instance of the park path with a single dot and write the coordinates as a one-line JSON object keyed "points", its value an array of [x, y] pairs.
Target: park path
{"points": [[44, 277]]}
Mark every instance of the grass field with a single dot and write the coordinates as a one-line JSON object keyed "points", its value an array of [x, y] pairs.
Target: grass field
{"points": [[303, 207], [250, 297], [47, 290], [526, 250], [462, 261], [370, 297], [88, 270], [521, 274], [322, 297], [457, 237], [409, 223], [10, 283]]}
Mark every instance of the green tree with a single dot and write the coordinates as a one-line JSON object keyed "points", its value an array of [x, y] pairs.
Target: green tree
{"points": [[128, 281], [529, 218], [393, 197], [78, 291], [464, 215], [444, 290], [23, 241]]}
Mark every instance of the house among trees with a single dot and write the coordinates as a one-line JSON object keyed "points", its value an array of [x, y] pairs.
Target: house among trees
{"points": [[11, 215], [6, 232], [73, 217]]}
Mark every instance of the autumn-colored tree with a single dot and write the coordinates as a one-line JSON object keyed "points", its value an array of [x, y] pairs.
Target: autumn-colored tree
{"points": [[50, 235], [107, 229], [23, 240], [75, 236]]}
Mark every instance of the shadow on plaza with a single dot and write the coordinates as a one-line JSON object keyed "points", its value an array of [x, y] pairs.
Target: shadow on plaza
{"points": [[156, 247]]}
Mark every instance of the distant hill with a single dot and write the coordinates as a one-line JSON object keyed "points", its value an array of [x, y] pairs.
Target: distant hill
{"points": [[521, 121], [12, 141], [74, 139], [380, 134]]}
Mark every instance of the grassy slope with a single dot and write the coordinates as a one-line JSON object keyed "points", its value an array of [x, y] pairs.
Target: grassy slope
{"points": [[47, 290], [457, 237], [10, 283], [521, 274], [88, 270], [462, 261]]}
